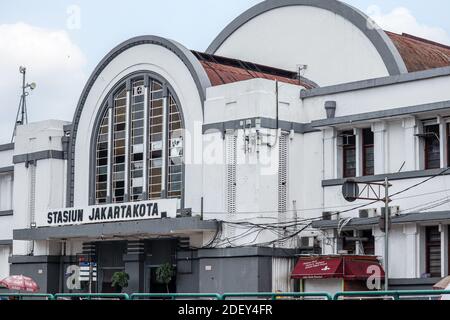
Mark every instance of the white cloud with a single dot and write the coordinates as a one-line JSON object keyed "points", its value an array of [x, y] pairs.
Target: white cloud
{"points": [[401, 20], [53, 61]]}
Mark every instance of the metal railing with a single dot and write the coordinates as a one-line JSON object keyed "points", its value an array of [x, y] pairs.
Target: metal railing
{"points": [[30, 296], [175, 296], [391, 295], [92, 296], [354, 295], [280, 295]]}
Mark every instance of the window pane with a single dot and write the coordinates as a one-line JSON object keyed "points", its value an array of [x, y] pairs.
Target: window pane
{"points": [[155, 139], [432, 147], [175, 163], [137, 137], [348, 154], [433, 251], [118, 161], [368, 153], [101, 172]]}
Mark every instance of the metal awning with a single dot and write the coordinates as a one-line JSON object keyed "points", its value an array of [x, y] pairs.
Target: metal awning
{"points": [[152, 227]]}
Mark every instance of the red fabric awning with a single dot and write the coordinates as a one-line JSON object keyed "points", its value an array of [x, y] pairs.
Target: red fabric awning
{"points": [[362, 268], [318, 268], [343, 267]]}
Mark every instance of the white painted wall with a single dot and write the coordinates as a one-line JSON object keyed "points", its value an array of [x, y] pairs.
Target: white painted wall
{"points": [[333, 48], [332, 286], [5, 251], [49, 190]]}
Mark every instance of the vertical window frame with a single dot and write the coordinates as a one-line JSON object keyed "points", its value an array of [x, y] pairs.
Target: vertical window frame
{"points": [[428, 145], [365, 147], [429, 246], [345, 149]]}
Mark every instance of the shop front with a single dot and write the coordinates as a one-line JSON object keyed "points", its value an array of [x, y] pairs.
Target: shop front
{"points": [[334, 274]]}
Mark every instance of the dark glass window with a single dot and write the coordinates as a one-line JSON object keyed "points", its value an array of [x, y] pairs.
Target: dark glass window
{"points": [[432, 148], [349, 154], [130, 161], [348, 242], [433, 251], [368, 242], [368, 152]]}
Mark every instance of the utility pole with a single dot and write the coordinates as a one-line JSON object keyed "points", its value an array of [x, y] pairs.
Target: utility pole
{"points": [[387, 218], [22, 114], [374, 192]]}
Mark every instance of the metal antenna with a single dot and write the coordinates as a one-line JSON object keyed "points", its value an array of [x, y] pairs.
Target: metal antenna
{"points": [[22, 114]]}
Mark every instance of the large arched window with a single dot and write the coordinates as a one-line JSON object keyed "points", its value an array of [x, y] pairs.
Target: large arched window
{"points": [[139, 143]]}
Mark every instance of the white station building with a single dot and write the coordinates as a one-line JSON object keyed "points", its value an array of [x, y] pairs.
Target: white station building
{"points": [[229, 164]]}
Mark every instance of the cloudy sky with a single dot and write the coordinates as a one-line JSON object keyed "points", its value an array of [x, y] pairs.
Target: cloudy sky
{"points": [[61, 41]]}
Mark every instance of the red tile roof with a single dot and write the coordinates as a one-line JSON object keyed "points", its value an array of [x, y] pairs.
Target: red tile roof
{"points": [[420, 54], [221, 70]]}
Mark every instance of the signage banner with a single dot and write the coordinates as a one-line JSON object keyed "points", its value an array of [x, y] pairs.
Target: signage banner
{"points": [[142, 210]]}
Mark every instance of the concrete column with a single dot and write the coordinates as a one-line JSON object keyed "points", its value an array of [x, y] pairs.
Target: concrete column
{"points": [[380, 147], [443, 141], [444, 250], [359, 152], [379, 242], [127, 141], [134, 265], [410, 251], [410, 144], [330, 152]]}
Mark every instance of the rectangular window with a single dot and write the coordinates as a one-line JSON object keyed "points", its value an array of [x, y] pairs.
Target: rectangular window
{"points": [[433, 251], [349, 154], [348, 242], [432, 147], [368, 152], [368, 242]]}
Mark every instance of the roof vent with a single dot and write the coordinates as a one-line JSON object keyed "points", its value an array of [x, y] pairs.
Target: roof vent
{"points": [[330, 108]]}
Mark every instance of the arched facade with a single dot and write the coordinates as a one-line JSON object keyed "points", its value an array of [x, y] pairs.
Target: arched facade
{"points": [[178, 72]]}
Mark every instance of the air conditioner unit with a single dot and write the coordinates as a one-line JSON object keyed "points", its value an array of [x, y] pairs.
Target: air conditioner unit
{"points": [[308, 242], [394, 210], [368, 213], [329, 215], [346, 140]]}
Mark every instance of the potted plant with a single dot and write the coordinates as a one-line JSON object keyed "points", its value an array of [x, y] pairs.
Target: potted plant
{"points": [[164, 274], [119, 280]]}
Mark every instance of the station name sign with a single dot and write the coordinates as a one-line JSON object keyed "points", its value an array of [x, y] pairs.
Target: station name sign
{"points": [[142, 210]]}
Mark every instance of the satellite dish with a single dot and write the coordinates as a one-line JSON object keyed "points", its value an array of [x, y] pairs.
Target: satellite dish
{"points": [[33, 85], [350, 190]]}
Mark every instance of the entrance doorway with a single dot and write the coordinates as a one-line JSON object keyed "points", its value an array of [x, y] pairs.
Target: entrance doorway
{"points": [[109, 260], [156, 287]]}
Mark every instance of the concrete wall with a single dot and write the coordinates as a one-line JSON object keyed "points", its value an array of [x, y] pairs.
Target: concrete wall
{"points": [[5, 251], [334, 49], [33, 199], [42, 269], [332, 286]]}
